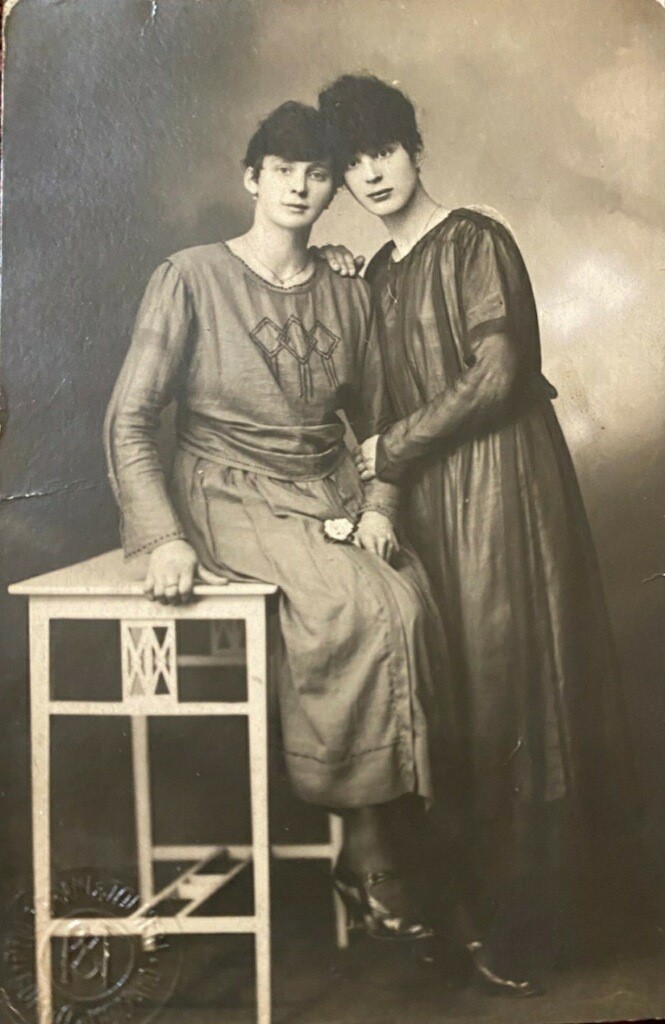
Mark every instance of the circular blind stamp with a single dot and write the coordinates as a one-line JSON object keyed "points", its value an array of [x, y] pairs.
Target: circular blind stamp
{"points": [[97, 979]]}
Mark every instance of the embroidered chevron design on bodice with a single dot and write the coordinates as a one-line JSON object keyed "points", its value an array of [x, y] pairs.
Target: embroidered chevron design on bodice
{"points": [[301, 344]]}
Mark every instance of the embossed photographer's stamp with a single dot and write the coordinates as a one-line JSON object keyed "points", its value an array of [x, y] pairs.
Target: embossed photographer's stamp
{"points": [[106, 978]]}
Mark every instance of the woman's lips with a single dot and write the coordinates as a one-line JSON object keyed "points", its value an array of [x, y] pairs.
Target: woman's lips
{"points": [[383, 193]]}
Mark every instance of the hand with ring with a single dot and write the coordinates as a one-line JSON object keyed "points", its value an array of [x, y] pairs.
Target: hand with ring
{"points": [[375, 533], [171, 571]]}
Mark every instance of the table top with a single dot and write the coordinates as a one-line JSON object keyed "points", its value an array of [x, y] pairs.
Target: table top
{"points": [[110, 575]]}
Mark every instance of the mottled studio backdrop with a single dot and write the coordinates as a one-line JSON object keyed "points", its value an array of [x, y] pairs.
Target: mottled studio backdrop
{"points": [[125, 124]]}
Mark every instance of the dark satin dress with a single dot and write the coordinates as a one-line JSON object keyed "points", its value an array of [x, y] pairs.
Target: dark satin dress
{"points": [[535, 712]]}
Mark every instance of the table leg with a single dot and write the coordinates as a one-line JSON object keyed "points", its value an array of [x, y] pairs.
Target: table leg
{"points": [[257, 683], [336, 827], [142, 811], [41, 803]]}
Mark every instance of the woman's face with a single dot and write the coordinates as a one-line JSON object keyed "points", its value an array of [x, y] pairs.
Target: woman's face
{"points": [[383, 182], [291, 193]]}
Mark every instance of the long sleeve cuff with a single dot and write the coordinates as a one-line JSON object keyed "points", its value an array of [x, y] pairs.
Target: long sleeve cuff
{"points": [[388, 472], [132, 550], [144, 528], [381, 497]]}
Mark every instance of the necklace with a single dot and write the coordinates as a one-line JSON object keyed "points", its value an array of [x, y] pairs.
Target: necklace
{"points": [[282, 281], [423, 231]]}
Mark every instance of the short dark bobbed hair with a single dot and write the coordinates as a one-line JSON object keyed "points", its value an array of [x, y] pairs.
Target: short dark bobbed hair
{"points": [[363, 114], [293, 131]]}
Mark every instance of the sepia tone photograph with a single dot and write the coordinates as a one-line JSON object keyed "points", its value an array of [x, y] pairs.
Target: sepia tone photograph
{"points": [[331, 512]]}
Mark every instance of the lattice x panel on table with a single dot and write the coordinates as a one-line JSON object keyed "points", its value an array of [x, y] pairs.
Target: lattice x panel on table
{"points": [[149, 666]]}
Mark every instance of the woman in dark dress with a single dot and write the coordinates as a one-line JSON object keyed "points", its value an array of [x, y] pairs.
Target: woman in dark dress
{"points": [[537, 748]]}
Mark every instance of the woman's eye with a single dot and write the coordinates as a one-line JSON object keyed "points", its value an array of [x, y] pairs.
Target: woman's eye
{"points": [[284, 170], [319, 176], [351, 164]]}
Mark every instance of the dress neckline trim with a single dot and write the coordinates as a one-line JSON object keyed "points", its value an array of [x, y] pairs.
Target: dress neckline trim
{"points": [[281, 289], [444, 220]]}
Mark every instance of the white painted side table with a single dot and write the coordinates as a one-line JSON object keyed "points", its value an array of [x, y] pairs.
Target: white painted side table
{"points": [[106, 588]]}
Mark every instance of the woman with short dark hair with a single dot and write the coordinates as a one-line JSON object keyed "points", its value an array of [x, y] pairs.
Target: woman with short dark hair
{"points": [[261, 345], [493, 508]]}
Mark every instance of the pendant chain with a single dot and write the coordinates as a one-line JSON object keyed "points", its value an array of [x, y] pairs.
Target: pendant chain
{"points": [[393, 295], [283, 281]]}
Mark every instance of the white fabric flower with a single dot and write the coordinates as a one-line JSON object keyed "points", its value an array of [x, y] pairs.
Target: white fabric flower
{"points": [[340, 530]]}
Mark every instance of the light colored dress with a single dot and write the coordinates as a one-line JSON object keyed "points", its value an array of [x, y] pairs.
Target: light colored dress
{"points": [[259, 374]]}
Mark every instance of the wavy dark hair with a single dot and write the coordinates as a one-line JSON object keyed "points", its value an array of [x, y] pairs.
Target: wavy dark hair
{"points": [[363, 114], [293, 131]]}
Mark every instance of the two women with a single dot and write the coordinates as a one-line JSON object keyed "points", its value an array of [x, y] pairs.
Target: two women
{"points": [[261, 346], [493, 508]]}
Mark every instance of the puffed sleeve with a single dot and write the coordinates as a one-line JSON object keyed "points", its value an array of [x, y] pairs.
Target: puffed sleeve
{"points": [[146, 385], [481, 283], [493, 338]]}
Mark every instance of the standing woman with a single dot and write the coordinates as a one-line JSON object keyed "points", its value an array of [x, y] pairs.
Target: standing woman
{"points": [[494, 510]]}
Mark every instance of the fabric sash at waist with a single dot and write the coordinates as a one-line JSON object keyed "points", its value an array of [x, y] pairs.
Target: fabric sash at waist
{"points": [[283, 452]]}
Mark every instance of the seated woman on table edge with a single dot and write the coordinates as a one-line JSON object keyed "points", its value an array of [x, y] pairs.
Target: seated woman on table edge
{"points": [[262, 344]]}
